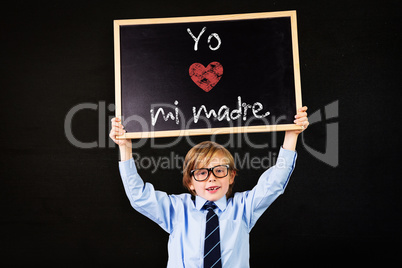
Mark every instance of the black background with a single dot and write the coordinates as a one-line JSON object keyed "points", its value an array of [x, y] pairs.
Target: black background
{"points": [[257, 61], [65, 206]]}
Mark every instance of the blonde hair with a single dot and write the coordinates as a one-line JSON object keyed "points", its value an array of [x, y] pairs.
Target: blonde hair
{"points": [[202, 154]]}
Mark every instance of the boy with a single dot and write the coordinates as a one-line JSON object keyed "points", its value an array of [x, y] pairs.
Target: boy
{"points": [[207, 228]]}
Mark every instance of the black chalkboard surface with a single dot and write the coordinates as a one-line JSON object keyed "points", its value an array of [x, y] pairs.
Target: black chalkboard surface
{"points": [[207, 75]]}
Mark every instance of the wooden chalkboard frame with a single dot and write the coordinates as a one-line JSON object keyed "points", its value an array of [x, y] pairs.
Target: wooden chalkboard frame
{"points": [[207, 131]]}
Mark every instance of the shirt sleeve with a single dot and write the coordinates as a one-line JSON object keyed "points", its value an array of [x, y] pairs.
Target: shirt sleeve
{"points": [[155, 205], [271, 184]]}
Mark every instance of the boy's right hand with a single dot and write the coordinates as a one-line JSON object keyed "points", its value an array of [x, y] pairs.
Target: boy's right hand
{"points": [[117, 130]]}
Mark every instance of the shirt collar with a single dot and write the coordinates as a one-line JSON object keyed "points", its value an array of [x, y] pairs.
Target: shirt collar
{"points": [[200, 202]]}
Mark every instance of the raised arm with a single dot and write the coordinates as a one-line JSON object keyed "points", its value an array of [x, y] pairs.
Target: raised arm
{"points": [[290, 140], [155, 205], [125, 145]]}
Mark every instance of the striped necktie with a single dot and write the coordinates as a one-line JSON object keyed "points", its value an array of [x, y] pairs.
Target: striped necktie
{"points": [[212, 248]]}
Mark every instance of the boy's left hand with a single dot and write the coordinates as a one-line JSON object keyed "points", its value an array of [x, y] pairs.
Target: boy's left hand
{"points": [[291, 135], [301, 119]]}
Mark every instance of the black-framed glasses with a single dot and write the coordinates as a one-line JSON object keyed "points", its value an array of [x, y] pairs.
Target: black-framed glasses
{"points": [[201, 174]]}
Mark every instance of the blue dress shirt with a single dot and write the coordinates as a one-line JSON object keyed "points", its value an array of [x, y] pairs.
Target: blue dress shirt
{"points": [[184, 219]]}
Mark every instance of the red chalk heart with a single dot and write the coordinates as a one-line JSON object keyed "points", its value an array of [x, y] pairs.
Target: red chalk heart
{"points": [[206, 77]]}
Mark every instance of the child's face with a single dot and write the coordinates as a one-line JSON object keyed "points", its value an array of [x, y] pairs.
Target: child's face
{"points": [[213, 189]]}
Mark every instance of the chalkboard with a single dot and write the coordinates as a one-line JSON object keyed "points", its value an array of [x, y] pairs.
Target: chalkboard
{"points": [[207, 75]]}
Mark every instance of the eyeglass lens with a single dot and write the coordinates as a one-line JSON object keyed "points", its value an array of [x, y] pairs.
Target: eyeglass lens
{"points": [[203, 173]]}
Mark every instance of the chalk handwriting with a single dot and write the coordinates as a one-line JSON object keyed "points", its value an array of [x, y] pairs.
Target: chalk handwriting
{"points": [[212, 35], [169, 115], [225, 113], [243, 111]]}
